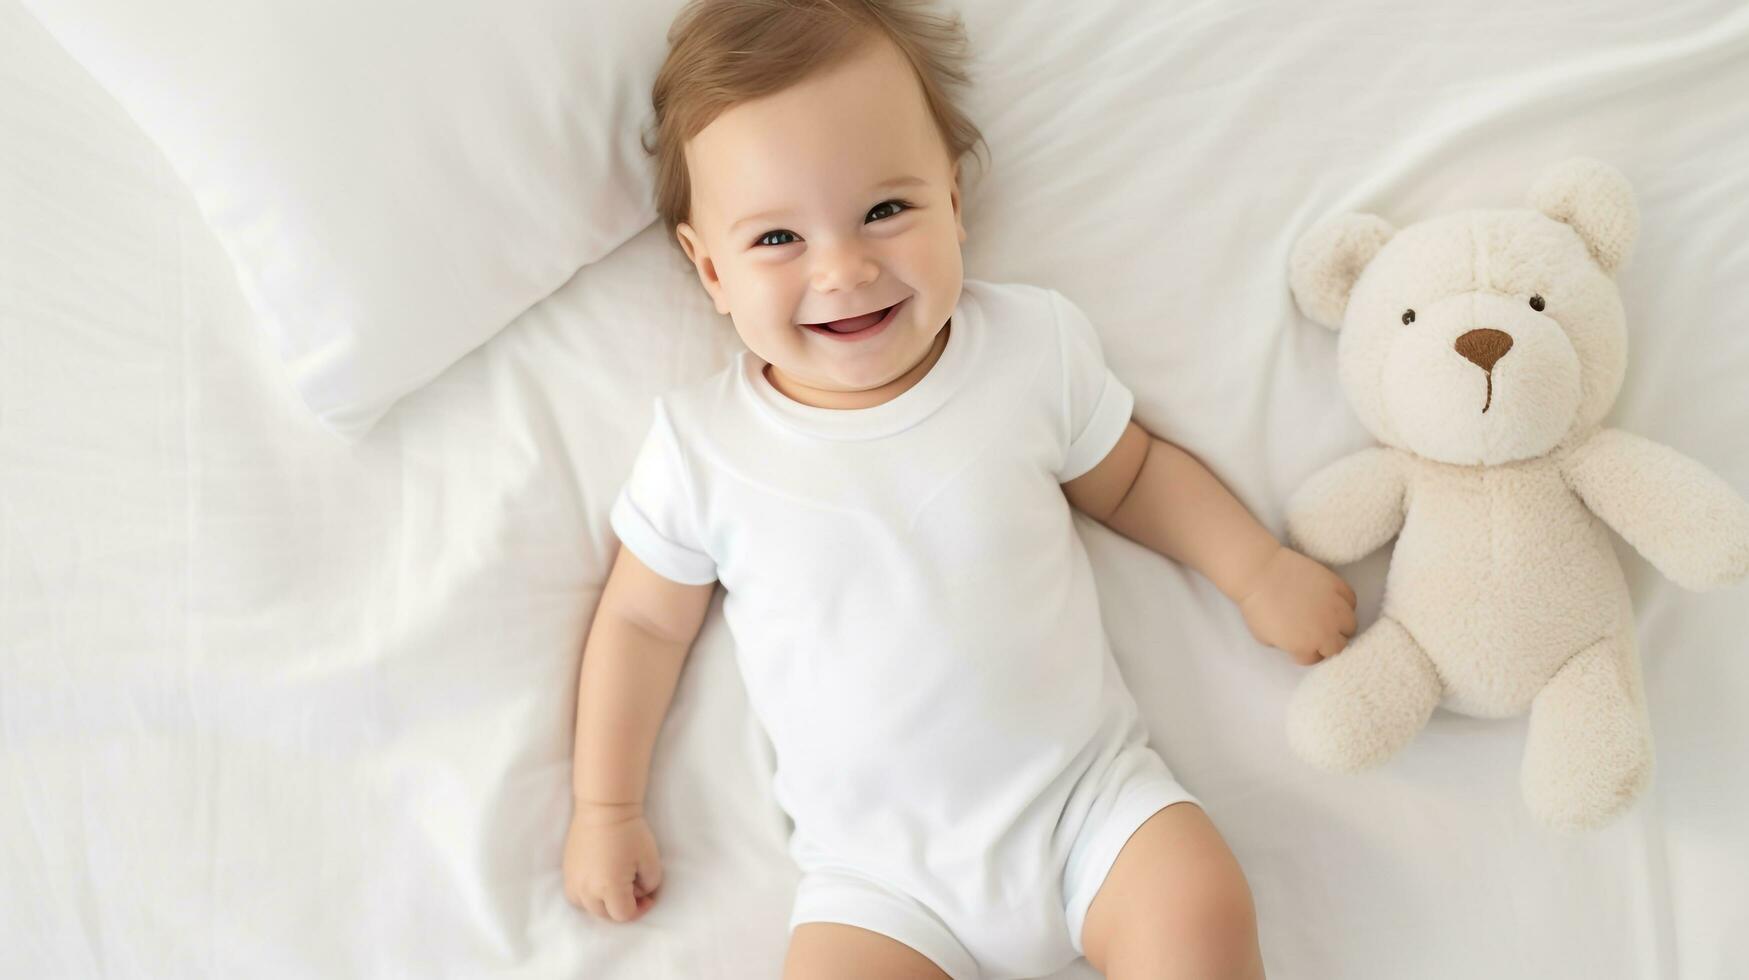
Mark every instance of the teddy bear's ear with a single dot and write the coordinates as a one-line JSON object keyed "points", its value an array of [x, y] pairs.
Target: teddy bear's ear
{"points": [[1597, 201], [1327, 261]]}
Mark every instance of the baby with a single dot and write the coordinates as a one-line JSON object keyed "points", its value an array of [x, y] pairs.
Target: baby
{"points": [[882, 485]]}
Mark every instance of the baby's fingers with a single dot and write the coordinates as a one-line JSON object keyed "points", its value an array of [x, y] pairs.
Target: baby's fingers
{"points": [[621, 907], [594, 906], [1345, 621], [649, 874], [1332, 647]]}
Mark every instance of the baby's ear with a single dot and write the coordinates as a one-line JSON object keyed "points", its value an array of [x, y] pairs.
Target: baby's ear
{"points": [[1597, 201], [693, 246], [1327, 261]]}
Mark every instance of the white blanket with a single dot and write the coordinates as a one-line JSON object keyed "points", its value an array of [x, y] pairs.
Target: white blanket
{"points": [[276, 706]]}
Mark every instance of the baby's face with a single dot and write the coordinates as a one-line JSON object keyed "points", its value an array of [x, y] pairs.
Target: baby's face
{"points": [[828, 200]]}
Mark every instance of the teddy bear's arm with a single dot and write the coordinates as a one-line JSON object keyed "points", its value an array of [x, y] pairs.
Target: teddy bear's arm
{"points": [[1683, 517], [1350, 508]]}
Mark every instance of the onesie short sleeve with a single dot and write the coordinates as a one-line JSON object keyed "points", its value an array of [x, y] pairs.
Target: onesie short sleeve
{"points": [[655, 513], [1096, 406]]}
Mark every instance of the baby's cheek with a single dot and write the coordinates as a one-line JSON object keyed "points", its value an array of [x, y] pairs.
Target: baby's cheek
{"points": [[945, 280]]}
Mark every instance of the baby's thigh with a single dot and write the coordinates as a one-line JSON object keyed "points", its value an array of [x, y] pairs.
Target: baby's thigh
{"points": [[834, 951], [1174, 895]]}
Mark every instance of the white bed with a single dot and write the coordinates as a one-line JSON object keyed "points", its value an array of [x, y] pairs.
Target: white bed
{"points": [[273, 704]]}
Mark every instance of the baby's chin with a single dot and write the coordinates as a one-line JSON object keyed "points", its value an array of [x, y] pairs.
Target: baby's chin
{"points": [[835, 381]]}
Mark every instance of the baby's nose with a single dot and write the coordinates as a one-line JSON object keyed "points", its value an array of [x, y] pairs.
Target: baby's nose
{"points": [[1485, 347], [843, 267]]}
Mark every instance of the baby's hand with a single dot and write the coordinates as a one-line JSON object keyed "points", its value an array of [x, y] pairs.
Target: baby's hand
{"points": [[612, 869], [1299, 606]]}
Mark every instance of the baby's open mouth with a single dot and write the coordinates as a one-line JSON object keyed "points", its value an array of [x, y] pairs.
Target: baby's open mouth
{"points": [[853, 324]]}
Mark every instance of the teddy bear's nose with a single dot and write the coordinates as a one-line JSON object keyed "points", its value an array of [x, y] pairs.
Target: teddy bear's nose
{"points": [[1485, 347]]}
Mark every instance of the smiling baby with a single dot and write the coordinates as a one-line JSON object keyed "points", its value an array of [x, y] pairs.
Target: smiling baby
{"points": [[882, 483]]}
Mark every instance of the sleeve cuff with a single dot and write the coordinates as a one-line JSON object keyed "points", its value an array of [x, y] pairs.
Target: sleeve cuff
{"points": [[664, 557], [1111, 416]]}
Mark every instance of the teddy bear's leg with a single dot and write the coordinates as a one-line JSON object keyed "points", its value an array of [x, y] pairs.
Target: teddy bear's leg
{"points": [[1589, 751], [1356, 709]]}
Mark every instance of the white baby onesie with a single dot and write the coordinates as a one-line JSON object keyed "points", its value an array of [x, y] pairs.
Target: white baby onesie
{"points": [[916, 624]]}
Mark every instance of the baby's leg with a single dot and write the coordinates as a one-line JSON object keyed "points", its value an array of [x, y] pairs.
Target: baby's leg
{"points": [[1174, 904], [834, 951], [846, 924]]}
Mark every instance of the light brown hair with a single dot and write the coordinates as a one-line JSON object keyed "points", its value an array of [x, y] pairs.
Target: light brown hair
{"points": [[724, 52]]}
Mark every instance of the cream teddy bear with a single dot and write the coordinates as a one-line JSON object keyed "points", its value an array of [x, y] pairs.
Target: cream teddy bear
{"points": [[1483, 348]]}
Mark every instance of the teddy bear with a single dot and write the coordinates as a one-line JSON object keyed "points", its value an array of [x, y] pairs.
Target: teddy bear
{"points": [[1483, 349]]}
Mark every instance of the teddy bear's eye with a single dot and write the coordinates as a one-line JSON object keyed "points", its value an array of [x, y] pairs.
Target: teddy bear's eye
{"points": [[1408, 316], [1536, 303]]}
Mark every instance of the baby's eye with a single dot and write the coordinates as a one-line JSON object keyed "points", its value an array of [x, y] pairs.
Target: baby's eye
{"points": [[898, 205], [877, 213], [1408, 317], [1536, 303]]}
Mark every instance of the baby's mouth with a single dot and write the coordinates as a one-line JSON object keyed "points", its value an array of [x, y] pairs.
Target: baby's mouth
{"points": [[854, 323]]}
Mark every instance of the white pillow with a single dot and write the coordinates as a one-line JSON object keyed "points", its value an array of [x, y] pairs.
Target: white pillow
{"points": [[394, 181]]}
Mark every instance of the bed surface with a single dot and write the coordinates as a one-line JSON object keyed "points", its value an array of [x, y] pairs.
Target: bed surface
{"points": [[276, 705]]}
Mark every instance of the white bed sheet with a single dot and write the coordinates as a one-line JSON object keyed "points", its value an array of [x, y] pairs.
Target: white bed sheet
{"points": [[273, 705]]}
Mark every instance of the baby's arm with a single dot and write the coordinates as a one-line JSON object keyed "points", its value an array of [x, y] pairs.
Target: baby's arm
{"points": [[1157, 494], [642, 631], [638, 641]]}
